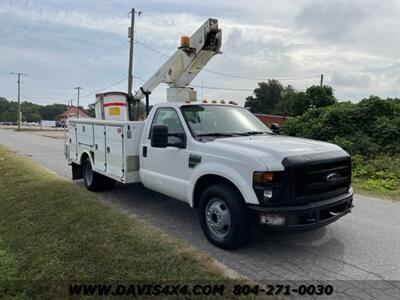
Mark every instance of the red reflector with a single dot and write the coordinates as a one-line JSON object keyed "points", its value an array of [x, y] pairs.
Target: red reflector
{"points": [[114, 104]]}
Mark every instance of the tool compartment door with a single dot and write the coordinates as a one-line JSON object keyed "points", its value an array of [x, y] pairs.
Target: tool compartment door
{"points": [[72, 140], [114, 151], [100, 147], [85, 134]]}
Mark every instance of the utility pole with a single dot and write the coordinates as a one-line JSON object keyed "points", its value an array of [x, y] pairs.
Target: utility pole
{"points": [[19, 96], [322, 80], [77, 111], [131, 35]]}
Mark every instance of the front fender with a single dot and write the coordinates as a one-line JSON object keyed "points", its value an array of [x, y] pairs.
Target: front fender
{"points": [[241, 182]]}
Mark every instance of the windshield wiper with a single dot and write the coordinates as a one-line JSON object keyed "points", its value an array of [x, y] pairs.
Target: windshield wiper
{"points": [[232, 134], [253, 133], [215, 134], [260, 132]]}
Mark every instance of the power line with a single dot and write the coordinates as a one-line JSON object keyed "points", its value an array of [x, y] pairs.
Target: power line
{"points": [[107, 87], [93, 59], [222, 88], [261, 79], [91, 93], [152, 49], [91, 37], [210, 87], [233, 75]]}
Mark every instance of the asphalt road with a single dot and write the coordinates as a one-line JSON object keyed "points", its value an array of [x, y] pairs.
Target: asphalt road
{"points": [[361, 251]]}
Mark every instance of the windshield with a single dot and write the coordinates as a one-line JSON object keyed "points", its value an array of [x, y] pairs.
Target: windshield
{"points": [[218, 120]]}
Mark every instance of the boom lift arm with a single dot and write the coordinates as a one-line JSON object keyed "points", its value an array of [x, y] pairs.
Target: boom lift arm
{"points": [[184, 65]]}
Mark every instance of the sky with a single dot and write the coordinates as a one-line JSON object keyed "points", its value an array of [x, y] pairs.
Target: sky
{"points": [[65, 44]]}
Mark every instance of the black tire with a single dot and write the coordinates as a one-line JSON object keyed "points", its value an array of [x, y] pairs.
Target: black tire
{"points": [[94, 181], [214, 202]]}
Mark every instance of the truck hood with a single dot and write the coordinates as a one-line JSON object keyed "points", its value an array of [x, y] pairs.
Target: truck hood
{"points": [[278, 147]]}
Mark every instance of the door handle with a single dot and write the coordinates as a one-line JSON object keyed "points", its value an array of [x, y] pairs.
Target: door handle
{"points": [[144, 151], [108, 149]]}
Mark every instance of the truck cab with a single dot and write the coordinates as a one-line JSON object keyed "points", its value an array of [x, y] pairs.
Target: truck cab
{"points": [[190, 151]]}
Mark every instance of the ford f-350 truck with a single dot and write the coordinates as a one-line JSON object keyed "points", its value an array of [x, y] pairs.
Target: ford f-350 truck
{"points": [[217, 157]]}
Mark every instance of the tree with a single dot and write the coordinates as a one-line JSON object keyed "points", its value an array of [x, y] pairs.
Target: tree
{"points": [[266, 97], [50, 112], [273, 97], [320, 96], [369, 127], [292, 103], [8, 110], [32, 117], [91, 110], [30, 112]]}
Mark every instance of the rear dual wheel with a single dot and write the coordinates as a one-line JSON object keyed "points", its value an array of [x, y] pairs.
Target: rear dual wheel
{"points": [[94, 181]]}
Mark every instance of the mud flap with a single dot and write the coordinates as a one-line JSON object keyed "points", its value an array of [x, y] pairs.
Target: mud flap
{"points": [[77, 171]]}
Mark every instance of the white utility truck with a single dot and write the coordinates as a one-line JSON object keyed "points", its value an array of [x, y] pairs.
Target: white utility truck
{"points": [[217, 157]]}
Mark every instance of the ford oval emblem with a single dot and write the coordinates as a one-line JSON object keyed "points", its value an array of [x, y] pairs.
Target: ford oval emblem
{"points": [[332, 177]]}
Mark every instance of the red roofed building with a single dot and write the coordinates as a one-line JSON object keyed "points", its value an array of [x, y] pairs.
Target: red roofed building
{"points": [[269, 119], [72, 112]]}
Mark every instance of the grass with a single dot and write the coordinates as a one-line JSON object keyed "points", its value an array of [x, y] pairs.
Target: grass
{"points": [[53, 231], [8, 274], [378, 176], [373, 188]]}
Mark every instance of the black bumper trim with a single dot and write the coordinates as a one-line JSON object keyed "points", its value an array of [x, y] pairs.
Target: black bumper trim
{"points": [[312, 215]]}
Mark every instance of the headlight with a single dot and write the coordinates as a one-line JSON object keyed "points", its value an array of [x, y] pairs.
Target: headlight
{"points": [[268, 186], [268, 194]]}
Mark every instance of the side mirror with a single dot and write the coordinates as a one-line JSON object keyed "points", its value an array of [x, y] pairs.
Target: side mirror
{"points": [[275, 127], [159, 136]]}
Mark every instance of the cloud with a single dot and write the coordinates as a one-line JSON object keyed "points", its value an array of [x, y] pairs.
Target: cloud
{"points": [[72, 18], [352, 80], [355, 46], [332, 20], [367, 27]]}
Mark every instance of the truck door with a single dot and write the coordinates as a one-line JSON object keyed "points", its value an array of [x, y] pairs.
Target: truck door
{"points": [[165, 169], [114, 151]]}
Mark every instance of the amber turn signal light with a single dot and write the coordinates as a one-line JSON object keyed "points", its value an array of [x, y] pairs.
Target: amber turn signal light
{"points": [[263, 177]]}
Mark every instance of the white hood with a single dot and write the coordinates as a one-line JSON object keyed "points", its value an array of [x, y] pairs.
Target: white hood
{"points": [[277, 146]]}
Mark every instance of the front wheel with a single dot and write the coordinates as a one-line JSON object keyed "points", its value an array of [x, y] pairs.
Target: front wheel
{"points": [[223, 217]]}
